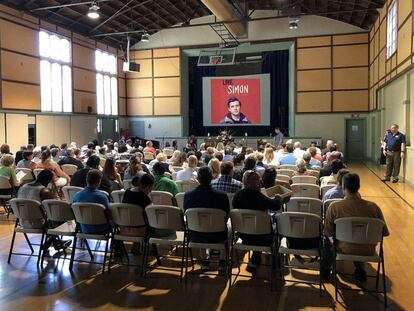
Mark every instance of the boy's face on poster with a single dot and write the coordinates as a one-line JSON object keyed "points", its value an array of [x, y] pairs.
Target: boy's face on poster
{"points": [[234, 108]]}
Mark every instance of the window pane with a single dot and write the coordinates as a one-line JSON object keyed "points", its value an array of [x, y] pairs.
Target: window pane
{"points": [[113, 64], [67, 89], [64, 50], [55, 47], [44, 46], [99, 94], [105, 62], [98, 60], [56, 87], [107, 94], [46, 90], [114, 96]]}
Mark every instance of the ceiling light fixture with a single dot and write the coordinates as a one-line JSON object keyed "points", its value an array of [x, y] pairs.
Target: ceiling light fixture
{"points": [[145, 37], [293, 23], [93, 11]]}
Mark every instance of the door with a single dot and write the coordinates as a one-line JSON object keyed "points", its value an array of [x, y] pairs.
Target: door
{"points": [[108, 128], [355, 139]]}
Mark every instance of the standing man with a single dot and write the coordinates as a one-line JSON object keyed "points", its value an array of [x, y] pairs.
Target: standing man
{"points": [[234, 116], [394, 152], [278, 138]]}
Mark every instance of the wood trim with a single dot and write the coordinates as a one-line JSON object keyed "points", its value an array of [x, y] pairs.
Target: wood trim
{"points": [[83, 91], [20, 53], [333, 67], [332, 77], [332, 45], [143, 78], [403, 23], [20, 82]]}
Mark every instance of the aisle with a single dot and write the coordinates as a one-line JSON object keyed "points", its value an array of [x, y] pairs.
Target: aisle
{"points": [[24, 287]]}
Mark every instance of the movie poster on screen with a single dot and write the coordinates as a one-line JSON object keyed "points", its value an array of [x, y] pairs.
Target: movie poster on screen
{"points": [[246, 91]]}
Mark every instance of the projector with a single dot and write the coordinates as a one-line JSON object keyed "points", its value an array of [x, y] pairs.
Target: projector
{"points": [[131, 67]]}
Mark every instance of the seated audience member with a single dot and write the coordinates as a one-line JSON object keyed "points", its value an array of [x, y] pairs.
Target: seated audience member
{"points": [[19, 155], [27, 162], [336, 192], [301, 165], [60, 178], [4, 149], [162, 182], [251, 197], [214, 166], [238, 161], [259, 162], [249, 164], [326, 170], [208, 155], [91, 194], [140, 157], [123, 153], [228, 154], [269, 157], [219, 156], [63, 148], [180, 160], [176, 154], [111, 172], [351, 206], [55, 152], [149, 148], [313, 144], [220, 147], [328, 145], [7, 171], [102, 153], [334, 149], [204, 196], [314, 161], [226, 182], [200, 162], [188, 172], [307, 158], [269, 177], [79, 178], [298, 151], [70, 159], [110, 150], [331, 179], [289, 158], [134, 168]]}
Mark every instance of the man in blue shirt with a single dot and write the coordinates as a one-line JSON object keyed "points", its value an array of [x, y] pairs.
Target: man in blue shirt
{"points": [[394, 152], [91, 194], [278, 138], [290, 157], [336, 192]]}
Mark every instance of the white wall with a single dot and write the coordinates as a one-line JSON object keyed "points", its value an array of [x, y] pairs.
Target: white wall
{"points": [[311, 25], [160, 126], [52, 129], [82, 129]]}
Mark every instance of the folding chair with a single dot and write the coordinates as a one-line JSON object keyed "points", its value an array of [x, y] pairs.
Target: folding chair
{"points": [[313, 172], [288, 167], [179, 197], [69, 169], [324, 189], [164, 217], [282, 177], [305, 205], [7, 189], [70, 191], [206, 220], [286, 172], [161, 198], [27, 210], [37, 171], [127, 183], [231, 196], [299, 226], [252, 222], [303, 179], [60, 212], [90, 214], [29, 174], [305, 190], [187, 185], [117, 195], [361, 230], [326, 205], [128, 215]]}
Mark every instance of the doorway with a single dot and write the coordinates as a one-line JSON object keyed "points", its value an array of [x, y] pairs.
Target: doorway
{"points": [[107, 128], [356, 141]]}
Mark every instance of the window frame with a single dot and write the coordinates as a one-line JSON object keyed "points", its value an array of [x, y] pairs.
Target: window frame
{"points": [[62, 64], [111, 75], [392, 30]]}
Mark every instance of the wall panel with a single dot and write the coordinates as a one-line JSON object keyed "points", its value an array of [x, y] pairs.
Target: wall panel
{"points": [[404, 41], [313, 101], [139, 87], [350, 55], [166, 67], [350, 39], [82, 129], [83, 57], [167, 106], [18, 38], [17, 133], [313, 41], [84, 80], [170, 52], [350, 78], [83, 100], [139, 106], [350, 100], [167, 87], [314, 80], [311, 58], [18, 67], [145, 70], [20, 96]]}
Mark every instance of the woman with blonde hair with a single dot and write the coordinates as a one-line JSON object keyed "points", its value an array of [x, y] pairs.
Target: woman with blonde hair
{"points": [[301, 165], [220, 147], [214, 165], [269, 157], [175, 155]]}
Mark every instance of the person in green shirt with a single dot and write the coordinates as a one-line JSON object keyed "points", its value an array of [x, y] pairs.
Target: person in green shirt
{"points": [[163, 183], [7, 171]]}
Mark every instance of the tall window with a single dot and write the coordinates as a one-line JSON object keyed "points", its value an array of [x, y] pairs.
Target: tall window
{"points": [[392, 30], [55, 72], [106, 83]]}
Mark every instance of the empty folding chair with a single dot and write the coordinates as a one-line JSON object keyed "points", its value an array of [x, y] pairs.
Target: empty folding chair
{"points": [[325, 189], [252, 222], [303, 179], [30, 218], [299, 226], [58, 211], [286, 172], [90, 214], [305, 205], [279, 190], [127, 183], [207, 220], [187, 185], [117, 195], [127, 215], [361, 231], [164, 217], [281, 177], [70, 191], [179, 197], [305, 190], [69, 169], [288, 167], [161, 198]]}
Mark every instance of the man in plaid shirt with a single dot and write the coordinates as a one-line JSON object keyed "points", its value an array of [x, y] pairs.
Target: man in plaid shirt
{"points": [[226, 182]]}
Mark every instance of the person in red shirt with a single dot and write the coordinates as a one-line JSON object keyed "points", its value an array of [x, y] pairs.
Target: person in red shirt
{"points": [[150, 148]]}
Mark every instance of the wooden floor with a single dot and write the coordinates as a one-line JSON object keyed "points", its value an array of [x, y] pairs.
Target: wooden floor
{"points": [[24, 287]]}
